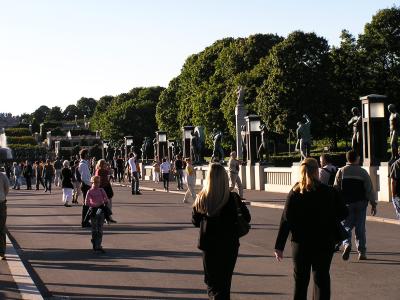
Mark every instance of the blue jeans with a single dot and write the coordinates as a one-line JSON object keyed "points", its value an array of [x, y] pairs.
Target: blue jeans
{"points": [[356, 219], [135, 182], [396, 204]]}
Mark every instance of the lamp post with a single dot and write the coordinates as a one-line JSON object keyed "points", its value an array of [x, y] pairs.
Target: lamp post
{"points": [[253, 136], [76, 120], [162, 144], [374, 129], [128, 142], [30, 128], [186, 136], [105, 146], [84, 121]]}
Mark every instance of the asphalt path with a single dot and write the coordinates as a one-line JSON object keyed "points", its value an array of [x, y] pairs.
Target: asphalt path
{"points": [[151, 253]]}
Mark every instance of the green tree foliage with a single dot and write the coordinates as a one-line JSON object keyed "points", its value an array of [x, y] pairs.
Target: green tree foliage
{"points": [[86, 106], [70, 112], [55, 114], [41, 113]]}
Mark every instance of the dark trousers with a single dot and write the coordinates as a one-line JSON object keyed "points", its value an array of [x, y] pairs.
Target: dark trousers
{"points": [[84, 188], [179, 178], [120, 174], [3, 218], [306, 258], [218, 270], [28, 182], [97, 221], [165, 178], [39, 180], [47, 183], [135, 182]]}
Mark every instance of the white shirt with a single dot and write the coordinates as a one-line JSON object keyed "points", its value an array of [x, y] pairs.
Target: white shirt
{"points": [[132, 164], [165, 167]]}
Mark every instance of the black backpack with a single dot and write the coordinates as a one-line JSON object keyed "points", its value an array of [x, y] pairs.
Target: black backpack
{"points": [[332, 175]]}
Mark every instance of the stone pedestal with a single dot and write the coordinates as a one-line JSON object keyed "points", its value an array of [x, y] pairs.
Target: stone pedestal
{"points": [[250, 182], [242, 175], [295, 173], [385, 188], [373, 173], [259, 177], [240, 113]]}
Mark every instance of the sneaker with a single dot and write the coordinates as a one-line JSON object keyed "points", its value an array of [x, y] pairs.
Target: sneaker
{"points": [[111, 220], [2, 257], [362, 256], [138, 193], [346, 252], [101, 250]]}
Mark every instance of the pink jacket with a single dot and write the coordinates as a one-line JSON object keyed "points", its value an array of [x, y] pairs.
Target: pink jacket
{"points": [[96, 197]]}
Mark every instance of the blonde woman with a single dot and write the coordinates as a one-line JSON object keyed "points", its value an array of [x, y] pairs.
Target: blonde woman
{"points": [[215, 212], [190, 181], [311, 214]]}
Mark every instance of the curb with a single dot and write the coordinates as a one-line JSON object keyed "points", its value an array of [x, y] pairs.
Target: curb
{"points": [[27, 288]]}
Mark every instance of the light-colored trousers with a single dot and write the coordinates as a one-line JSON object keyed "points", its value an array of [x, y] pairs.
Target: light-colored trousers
{"points": [[235, 180], [190, 184]]}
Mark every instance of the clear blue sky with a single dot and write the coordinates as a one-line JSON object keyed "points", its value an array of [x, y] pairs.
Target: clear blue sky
{"points": [[53, 52]]}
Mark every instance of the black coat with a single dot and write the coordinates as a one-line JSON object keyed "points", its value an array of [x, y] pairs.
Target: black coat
{"points": [[220, 231]]}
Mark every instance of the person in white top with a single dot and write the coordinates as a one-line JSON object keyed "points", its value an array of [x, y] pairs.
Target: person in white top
{"points": [[132, 161], [190, 181], [165, 168], [327, 172]]}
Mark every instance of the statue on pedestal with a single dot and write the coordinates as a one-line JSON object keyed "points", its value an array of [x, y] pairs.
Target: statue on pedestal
{"points": [[240, 95], [263, 149], [155, 147], [218, 152], [243, 142], [356, 122], [394, 120], [195, 147], [303, 133], [146, 149], [201, 142]]}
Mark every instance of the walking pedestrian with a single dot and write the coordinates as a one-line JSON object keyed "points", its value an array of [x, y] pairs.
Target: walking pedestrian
{"points": [[234, 167], [66, 183], [120, 169], [165, 168], [311, 214], [38, 171], [356, 187], [103, 171], [327, 172], [215, 211], [17, 171], [178, 166], [132, 161], [76, 182], [96, 198], [156, 170], [4, 188], [57, 167], [48, 175], [190, 181], [27, 172], [395, 184], [84, 172]]}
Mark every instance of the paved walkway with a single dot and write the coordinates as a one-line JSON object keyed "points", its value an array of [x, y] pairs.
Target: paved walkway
{"points": [[152, 254]]}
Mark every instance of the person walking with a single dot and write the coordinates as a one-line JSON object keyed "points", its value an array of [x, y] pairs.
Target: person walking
{"points": [[4, 189], [311, 214], [120, 169], [327, 172], [38, 171], [84, 172], [132, 161], [103, 171], [57, 166], [27, 172], [165, 168], [395, 185], [66, 184], [156, 170], [96, 198], [215, 211], [48, 175], [17, 176], [178, 166], [356, 187], [234, 167], [76, 181], [190, 181]]}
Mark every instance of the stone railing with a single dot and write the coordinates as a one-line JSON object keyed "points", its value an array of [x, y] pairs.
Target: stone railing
{"points": [[277, 179]]}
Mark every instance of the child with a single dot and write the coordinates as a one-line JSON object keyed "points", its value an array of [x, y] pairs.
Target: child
{"points": [[96, 198]]}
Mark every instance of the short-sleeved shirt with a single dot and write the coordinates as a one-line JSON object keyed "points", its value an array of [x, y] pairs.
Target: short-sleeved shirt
{"points": [[395, 174]]}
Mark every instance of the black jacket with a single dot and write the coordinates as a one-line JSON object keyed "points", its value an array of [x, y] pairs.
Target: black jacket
{"points": [[311, 218], [220, 231]]}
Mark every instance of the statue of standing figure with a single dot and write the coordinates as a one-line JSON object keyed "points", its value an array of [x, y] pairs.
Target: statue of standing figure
{"points": [[194, 147], [240, 95], [155, 147], [356, 122], [146, 149], [303, 133], [263, 149], [243, 144], [394, 120], [218, 152]]}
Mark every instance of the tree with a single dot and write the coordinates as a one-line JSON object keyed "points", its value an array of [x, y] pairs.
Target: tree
{"points": [[86, 106], [55, 114], [41, 113], [70, 112]]}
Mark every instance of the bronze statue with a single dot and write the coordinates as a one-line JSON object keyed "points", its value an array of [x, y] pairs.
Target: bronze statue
{"points": [[155, 147], [303, 133], [356, 122], [240, 95], [394, 120], [218, 152], [146, 149], [194, 147], [263, 149]]}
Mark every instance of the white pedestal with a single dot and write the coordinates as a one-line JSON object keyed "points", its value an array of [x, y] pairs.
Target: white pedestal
{"points": [[373, 173], [385, 189], [250, 182], [295, 173], [259, 177], [242, 175]]}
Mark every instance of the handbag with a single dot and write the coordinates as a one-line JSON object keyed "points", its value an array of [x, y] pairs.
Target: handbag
{"points": [[242, 226]]}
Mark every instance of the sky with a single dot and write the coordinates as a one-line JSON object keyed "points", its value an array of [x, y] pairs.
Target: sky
{"points": [[53, 52]]}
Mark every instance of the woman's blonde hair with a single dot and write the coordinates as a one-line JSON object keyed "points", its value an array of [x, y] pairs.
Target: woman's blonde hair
{"points": [[100, 164], [309, 176], [66, 164], [215, 193]]}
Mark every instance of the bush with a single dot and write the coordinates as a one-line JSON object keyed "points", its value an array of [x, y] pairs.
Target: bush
{"points": [[28, 152], [21, 140], [17, 132], [338, 159]]}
